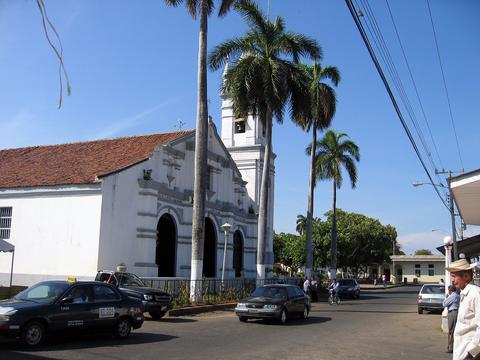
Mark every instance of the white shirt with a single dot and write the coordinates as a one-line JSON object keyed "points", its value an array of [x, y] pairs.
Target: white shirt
{"points": [[467, 330]]}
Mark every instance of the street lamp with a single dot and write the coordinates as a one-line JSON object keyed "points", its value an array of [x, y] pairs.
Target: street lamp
{"points": [[452, 213], [226, 228]]}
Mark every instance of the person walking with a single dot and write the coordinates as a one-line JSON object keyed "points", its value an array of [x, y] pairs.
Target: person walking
{"points": [[307, 288], [466, 337], [451, 302], [384, 279]]}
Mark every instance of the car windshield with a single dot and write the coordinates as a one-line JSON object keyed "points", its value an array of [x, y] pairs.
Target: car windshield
{"points": [[270, 291], [44, 293], [346, 282], [433, 290], [127, 279]]}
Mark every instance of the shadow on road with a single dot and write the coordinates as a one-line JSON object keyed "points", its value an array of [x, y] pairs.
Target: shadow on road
{"points": [[56, 343], [339, 309], [172, 320], [295, 322]]}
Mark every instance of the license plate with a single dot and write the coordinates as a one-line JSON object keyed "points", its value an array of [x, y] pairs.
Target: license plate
{"points": [[253, 310]]}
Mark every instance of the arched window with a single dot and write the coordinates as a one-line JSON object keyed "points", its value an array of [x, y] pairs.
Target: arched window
{"points": [[166, 249]]}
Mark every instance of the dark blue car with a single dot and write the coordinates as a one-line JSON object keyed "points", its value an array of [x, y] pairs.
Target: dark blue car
{"points": [[68, 306], [349, 288]]}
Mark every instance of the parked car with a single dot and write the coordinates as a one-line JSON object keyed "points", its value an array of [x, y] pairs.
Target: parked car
{"points": [[431, 297], [349, 288], [277, 301], [155, 302], [68, 306]]}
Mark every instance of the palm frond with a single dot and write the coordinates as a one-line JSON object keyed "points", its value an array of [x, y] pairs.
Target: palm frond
{"points": [[252, 14], [225, 7]]}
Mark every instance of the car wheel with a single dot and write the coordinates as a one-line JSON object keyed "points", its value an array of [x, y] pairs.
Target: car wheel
{"points": [[283, 317], [123, 328], [420, 310], [33, 334], [357, 295], [157, 314], [242, 318], [305, 312]]}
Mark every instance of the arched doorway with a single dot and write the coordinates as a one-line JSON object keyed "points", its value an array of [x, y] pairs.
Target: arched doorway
{"points": [[238, 253], [165, 252], [210, 249]]}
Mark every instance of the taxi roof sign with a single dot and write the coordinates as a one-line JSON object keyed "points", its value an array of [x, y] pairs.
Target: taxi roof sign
{"points": [[72, 279]]}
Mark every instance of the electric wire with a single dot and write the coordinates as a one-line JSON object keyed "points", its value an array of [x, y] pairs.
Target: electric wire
{"points": [[414, 84], [445, 84], [392, 97], [380, 43], [385, 54]]}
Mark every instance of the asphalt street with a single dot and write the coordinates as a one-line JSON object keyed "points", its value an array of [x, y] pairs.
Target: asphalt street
{"points": [[383, 324]]}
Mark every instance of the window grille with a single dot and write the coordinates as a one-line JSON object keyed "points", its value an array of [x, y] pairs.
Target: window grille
{"points": [[5, 222]]}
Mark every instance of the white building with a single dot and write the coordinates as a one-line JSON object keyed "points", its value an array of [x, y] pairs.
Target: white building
{"points": [[73, 209], [418, 268]]}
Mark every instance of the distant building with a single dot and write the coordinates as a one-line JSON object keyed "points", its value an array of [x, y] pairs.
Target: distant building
{"points": [[418, 268]]}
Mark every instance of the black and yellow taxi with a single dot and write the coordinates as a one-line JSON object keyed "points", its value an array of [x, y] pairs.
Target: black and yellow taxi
{"points": [[68, 306]]}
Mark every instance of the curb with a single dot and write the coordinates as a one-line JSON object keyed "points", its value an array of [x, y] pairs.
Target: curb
{"points": [[192, 310]]}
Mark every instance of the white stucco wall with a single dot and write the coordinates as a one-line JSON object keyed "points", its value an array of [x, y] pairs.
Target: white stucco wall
{"points": [[55, 231], [133, 206], [408, 270]]}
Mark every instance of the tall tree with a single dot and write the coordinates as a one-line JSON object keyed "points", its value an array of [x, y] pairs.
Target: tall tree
{"points": [[202, 9], [332, 155], [265, 76], [301, 224], [322, 109]]}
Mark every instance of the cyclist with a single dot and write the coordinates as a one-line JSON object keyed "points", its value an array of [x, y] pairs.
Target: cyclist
{"points": [[333, 288]]}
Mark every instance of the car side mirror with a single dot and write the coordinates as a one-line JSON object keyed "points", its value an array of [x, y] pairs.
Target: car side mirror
{"points": [[66, 300]]}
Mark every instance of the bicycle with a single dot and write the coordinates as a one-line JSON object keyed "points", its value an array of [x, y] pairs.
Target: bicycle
{"points": [[333, 298]]}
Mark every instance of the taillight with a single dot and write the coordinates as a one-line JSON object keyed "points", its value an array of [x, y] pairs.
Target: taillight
{"points": [[419, 297]]}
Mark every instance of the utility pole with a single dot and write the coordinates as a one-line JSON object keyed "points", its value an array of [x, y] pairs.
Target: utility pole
{"points": [[452, 211]]}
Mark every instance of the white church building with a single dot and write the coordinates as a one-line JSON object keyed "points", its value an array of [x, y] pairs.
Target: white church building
{"points": [[72, 209]]}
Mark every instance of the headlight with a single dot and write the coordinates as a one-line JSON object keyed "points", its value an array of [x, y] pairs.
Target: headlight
{"points": [[242, 305], [134, 310], [4, 318], [148, 297], [270, 307]]}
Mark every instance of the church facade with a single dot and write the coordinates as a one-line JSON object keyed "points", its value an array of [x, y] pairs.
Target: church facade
{"points": [[73, 209]]}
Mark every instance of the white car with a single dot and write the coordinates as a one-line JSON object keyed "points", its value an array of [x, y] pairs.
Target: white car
{"points": [[431, 297]]}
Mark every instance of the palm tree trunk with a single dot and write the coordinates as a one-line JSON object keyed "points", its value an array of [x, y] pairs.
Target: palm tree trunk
{"points": [[311, 185], [201, 142], [263, 210], [333, 267]]}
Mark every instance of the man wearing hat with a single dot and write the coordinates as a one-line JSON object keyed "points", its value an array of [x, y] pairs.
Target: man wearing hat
{"points": [[466, 343]]}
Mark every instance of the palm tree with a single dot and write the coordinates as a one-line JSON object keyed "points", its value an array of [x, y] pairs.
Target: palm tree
{"points": [[203, 8], [264, 77], [332, 155], [301, 224], [323, 106]]}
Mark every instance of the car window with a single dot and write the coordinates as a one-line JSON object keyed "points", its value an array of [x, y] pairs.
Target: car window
{"points": [[346, 282], [291, 292], [80, 294], [45, 293], [433, 289], [127, 279], [271, 291], [107, 277], [299, 291], [104, 293]]}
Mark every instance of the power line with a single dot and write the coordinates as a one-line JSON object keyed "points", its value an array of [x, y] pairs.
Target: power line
{"points": [[414, 84], [445, 84], [392, 97], [380, 43]]}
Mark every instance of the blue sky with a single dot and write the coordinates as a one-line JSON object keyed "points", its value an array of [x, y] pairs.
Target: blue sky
{"points": [[132, 67]]}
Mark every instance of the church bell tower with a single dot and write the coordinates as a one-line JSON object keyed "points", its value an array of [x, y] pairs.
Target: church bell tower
{"points": [[244, 138]]}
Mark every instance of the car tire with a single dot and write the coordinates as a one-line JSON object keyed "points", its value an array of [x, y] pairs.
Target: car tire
{"points": [[33, 334], [122, 328], [157, 314], [242, 318], [283, 317], [420, 310], [357, 295], [305, 313]]}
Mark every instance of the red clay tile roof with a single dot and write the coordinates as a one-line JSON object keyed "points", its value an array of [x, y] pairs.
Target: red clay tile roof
{"points": [[77, 163]]}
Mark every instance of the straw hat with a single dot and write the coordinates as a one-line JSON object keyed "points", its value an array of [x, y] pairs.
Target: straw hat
{"points": [[460, 265]]}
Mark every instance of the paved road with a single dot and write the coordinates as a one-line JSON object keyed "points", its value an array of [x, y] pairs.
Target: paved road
{"points": [[383, 324]]}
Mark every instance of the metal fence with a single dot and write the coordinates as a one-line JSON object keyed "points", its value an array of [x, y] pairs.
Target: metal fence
{"points": [[213, 290]]}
